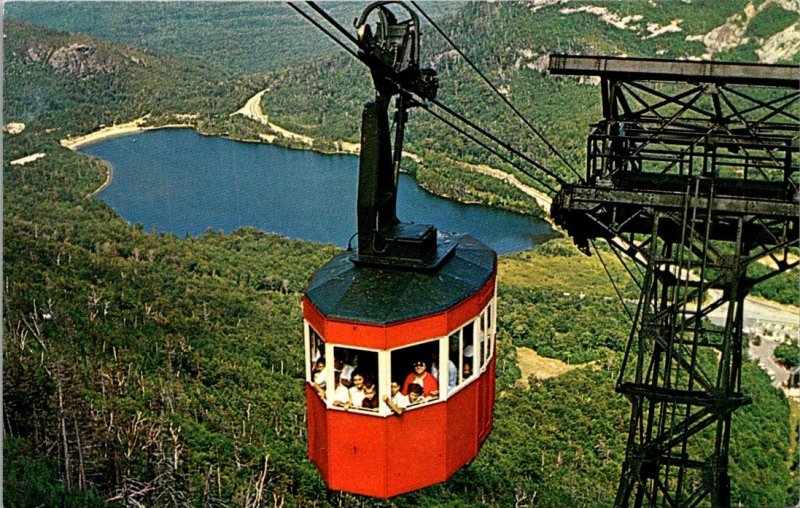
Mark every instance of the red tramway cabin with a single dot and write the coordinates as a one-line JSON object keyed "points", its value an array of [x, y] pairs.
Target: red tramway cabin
{"points": [[410, 306], [384, 321]]}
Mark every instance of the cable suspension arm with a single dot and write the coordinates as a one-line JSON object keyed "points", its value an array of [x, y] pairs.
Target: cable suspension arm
{"points": [[438, 103], [496, 91]]}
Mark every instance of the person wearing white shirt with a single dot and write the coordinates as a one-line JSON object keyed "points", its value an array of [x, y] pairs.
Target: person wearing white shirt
{"points": [[357, 390], [341, 395], [397, 402]]}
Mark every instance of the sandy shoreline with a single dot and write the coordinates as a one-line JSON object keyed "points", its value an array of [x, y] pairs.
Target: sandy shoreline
{"points": [[107, 182], [122, 129]]}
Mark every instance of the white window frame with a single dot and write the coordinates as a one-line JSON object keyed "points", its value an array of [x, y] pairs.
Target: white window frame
{"points": [[329, 379], [487, 315], [307, 329], [387, 368], [476, 329]]}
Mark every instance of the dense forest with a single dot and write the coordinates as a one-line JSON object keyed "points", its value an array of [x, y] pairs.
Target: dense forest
{"points": [[150, 369]]}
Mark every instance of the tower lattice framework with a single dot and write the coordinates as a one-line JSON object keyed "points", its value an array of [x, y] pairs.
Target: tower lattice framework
{"points": [[692, 181]]}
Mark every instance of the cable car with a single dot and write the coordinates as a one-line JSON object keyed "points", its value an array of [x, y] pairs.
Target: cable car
{"points": [[399, 332]]}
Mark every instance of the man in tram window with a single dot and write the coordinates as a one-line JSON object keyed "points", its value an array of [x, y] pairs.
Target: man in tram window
{"points": [[341, 395], [452, 374], [467, 370], [415, 395], [421, 376], [345, 370], [370, 400], [357, 390], [397, 402]]}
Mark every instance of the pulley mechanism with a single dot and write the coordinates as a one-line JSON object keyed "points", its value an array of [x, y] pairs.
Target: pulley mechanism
{"points": [[391, 51]]}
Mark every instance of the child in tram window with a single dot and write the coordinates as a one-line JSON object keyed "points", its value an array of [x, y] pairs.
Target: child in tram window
{"points": [[397, 402], [421, 376], [467, 370], [341, 396], [370, 400], [415, 395]]}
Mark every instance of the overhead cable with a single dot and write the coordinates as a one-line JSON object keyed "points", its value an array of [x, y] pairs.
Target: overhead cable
{"points": [[322, 29], [499, 141], [485, 146], [614, 284], [496, 91], [332, 21]]}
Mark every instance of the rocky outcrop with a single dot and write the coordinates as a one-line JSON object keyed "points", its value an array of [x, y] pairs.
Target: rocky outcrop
{"points": [[79, 60]]}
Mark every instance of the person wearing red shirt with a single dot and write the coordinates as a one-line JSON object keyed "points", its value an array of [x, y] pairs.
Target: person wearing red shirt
{"points": [[421, 376]]}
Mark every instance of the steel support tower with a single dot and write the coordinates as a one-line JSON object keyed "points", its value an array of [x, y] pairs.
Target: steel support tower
{"points": [[691, 179]]}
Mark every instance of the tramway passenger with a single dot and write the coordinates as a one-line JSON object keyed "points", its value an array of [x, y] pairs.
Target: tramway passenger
{"points": [[397, 402], [370, 400], [344, 369], [421, 376], [415, 395], [357, 390], [341, 396]]}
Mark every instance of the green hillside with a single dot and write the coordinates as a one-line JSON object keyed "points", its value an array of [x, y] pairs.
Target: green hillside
{"points": [[152, 369], [71, 84], [509, 42], [240, 38]]}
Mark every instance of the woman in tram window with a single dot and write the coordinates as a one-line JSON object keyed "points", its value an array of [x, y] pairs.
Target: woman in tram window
{"points": [[370, 400], [397, 402], [421, 376], [357, 390]]}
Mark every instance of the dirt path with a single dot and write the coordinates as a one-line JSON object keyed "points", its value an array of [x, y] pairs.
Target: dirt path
{"points": [[540, 367], [542, 199], [252, 110]]}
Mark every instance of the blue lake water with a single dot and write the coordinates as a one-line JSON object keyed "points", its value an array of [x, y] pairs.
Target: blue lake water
{"points": [[174, 180]]}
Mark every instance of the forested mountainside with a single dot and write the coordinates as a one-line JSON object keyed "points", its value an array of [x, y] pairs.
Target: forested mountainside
{"points": [[510, 42], [238, 37], [147, 368], [62, 84]]}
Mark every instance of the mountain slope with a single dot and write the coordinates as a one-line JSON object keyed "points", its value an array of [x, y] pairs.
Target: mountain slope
{"points": [[71, 83], [241, 38], [510, 43]]}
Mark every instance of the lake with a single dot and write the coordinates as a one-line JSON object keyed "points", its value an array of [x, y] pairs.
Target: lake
{"points": [[177, 181]]}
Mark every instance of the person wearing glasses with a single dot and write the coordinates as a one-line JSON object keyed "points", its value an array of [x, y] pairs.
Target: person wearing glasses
{"points": [[421, 376]]}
